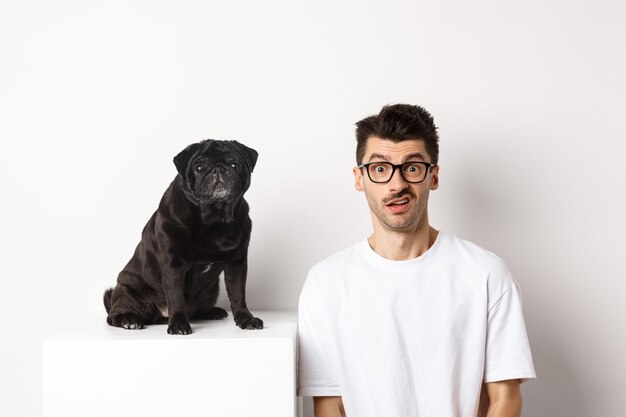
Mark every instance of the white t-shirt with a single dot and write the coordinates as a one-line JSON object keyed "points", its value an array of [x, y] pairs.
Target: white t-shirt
{"points": [[413, 338]]}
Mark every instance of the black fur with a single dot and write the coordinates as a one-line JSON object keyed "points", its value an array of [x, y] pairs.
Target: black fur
{"points": [[200, 230]]}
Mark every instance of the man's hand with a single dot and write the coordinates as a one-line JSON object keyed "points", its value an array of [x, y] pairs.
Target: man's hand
{"points": [[505, 398], [328, 407]]}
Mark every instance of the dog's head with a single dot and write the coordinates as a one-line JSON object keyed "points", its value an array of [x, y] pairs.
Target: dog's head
{"points": [[216, 174]]}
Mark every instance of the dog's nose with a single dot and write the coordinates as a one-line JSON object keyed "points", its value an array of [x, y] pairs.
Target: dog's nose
{"points": [[218, 170]]}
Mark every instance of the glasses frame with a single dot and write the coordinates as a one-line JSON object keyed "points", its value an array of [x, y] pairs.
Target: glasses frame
{"points": [[428, 166]]}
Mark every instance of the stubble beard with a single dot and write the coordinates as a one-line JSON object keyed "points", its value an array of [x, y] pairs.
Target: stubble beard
{"points": [[404, 222]]}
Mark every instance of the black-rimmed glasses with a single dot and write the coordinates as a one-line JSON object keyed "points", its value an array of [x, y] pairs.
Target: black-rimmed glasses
{"points": [[412, 171]]}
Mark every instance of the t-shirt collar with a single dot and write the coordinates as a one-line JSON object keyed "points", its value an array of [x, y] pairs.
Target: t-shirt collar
{"points": [[423, 259]]}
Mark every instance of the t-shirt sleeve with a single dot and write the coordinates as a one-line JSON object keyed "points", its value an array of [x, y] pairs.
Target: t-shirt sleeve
{"points": [[317, 371], [507, 354]]}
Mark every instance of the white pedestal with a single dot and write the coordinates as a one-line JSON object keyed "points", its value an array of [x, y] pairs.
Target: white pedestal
{"points": [[219, 370]]}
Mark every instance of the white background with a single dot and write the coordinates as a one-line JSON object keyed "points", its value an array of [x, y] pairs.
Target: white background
{"points": [[97, 97]]}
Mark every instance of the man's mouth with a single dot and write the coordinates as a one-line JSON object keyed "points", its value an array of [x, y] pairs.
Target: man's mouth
{"points": [[398, 205], [398, 201]]}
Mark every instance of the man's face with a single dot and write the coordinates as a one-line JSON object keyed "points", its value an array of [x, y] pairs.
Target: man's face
{"points": [[397, 205]]}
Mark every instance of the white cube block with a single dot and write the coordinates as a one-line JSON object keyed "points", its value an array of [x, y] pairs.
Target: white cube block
{"points": [[219, 370]]}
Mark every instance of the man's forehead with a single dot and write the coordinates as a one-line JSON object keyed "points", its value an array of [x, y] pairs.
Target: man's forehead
{"points": [[393, 150]]}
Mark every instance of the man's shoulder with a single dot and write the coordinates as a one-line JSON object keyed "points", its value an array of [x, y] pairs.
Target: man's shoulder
{"points": [[337, 261], [471, 252], [323, 278], [484, 263]]}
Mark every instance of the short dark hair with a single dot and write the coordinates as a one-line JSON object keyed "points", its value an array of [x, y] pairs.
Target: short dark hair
{"points": [[398, 122]]}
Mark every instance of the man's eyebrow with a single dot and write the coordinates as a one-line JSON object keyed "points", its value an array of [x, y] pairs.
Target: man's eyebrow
{"points": [[379, 156], [413, 156]]}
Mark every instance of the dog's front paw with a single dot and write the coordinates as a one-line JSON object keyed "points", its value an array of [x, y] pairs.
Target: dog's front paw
{"points": [[178, 324], [248, 321], [216, 313], [128, 321]]}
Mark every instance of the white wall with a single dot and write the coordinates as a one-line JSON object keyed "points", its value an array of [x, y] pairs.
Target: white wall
{"points": [[97, 97]]}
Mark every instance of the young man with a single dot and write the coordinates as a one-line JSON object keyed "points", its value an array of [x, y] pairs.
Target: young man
{"points": [[411, 322]]}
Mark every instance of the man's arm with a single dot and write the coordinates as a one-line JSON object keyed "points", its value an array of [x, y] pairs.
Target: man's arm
{"points": [[328, 407], [505, 398]]}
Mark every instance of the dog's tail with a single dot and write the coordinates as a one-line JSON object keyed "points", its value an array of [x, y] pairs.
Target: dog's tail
{"points": [[107, 300]]}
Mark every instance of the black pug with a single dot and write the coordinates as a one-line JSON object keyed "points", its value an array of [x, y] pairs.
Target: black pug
{"points": [[200, 229]]}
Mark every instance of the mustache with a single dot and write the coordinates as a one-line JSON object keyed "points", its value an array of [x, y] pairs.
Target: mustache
{"points": [[403, 193]]}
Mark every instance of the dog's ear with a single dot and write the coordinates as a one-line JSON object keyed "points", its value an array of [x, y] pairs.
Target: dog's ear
{"points": [[182, 159], [249, 154]]}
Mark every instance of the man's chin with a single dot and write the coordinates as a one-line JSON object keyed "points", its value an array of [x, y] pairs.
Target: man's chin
{"points": [[399, 223], [408, 227], [405, 221]]}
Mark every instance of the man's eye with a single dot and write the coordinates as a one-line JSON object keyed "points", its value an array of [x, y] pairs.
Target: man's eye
{"points": [[380, 168]]}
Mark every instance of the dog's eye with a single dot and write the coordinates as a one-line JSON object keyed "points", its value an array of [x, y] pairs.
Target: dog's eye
{"points": [[198, 168], [234, 165]]}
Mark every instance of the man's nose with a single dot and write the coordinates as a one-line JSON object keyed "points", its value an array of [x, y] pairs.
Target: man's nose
{"points": [[397, 181]]}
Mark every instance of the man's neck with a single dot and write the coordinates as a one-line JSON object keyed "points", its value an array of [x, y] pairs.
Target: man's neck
{"points": [[399, 246]]}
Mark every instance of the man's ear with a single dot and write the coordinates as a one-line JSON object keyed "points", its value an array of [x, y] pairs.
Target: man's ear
{"points": [[249, 154], [182, 159], [434, 182], [358, 178]]}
